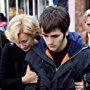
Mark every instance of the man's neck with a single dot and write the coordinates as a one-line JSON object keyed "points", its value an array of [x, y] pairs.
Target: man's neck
{"points": [[64, 43]]}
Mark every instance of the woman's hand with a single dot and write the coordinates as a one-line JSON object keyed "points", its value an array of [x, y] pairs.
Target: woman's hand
{"points": [[30, 76], [79, 85]]}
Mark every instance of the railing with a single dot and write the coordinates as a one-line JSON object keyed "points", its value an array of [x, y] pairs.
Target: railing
{"points": [[34, 7]]}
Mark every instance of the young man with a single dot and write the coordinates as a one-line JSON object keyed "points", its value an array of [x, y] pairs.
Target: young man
{"points": [[64, 58]]}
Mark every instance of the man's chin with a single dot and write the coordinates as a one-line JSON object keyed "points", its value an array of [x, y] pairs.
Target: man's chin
{"points": [[52, 49]]}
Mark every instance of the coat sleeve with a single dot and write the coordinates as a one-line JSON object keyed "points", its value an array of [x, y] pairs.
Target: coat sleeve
{"points": [[82, 67], [7, 71], [87, 81], [36, 65]]}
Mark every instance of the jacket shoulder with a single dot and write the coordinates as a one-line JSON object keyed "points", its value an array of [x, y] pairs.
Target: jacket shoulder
{"points": [[33, 52]]}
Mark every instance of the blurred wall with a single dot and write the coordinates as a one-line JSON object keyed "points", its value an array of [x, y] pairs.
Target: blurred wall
{"points": [[79, 10]]}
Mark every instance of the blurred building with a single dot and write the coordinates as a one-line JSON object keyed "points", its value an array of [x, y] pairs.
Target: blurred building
{"points": [[76, 8], [12, 7], [80, 7]]}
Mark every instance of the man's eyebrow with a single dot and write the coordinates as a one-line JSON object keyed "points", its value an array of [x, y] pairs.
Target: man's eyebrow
{"points": [[88, 23]]}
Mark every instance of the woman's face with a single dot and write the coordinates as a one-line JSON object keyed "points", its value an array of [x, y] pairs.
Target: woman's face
{"points": [[25, 41], [87, 24]]}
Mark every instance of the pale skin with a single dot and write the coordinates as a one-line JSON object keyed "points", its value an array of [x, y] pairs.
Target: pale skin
{"points": [[30, 76], [85, 27], [79, 85], [25, 43], [87, 24], [56, 42]]}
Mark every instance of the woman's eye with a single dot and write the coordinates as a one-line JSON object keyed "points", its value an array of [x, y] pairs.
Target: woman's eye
{"points": [[24, 41]]}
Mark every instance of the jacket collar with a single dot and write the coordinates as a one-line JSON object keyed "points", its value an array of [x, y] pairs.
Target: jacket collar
{"points": [[42, 55], [67, 66], [76, 43]]}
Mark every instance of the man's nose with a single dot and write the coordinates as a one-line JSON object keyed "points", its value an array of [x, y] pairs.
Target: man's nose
{"points": [[50, 40]]}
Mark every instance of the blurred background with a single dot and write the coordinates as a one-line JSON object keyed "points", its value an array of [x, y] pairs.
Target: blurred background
{"points": [[76, 8]]}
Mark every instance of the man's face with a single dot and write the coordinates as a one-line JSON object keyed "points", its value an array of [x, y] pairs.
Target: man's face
{"points": [[87, 24], [54, 40]]}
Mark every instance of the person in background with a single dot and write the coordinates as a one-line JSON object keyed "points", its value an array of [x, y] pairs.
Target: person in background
{"points": [[14, 72], [64, 57], [63, 3], [85, 25], [12, 12], [21, 10], [84, 31], [3, 26], [3, 22], [2, 18]]}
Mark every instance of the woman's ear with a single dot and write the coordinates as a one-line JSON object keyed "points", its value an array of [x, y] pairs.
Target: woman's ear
{"points": [[67, 32]]}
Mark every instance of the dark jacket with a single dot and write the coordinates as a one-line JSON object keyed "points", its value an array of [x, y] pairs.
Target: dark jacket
{"points": [[12, 67], [64, 77], [3, 41]]}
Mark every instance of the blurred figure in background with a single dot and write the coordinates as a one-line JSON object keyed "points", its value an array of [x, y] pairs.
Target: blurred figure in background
{"points": [[12, 12], [2, 18], [84, 31], [3, 22], [85, 26], [63, 3], [3, 26], [21, 10]]}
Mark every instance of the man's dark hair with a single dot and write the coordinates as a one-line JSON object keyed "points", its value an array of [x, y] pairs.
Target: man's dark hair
{"points": [[54, 17]]}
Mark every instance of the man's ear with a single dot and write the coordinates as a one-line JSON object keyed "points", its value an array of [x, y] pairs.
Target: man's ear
{"points": [[67, 32], [41, 31]]}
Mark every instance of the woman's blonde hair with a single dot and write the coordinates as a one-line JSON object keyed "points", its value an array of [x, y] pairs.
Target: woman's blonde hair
{"points": [[21, 23]]}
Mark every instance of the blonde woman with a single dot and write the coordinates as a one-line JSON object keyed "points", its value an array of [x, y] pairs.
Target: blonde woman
{"points": [[13, 73]]}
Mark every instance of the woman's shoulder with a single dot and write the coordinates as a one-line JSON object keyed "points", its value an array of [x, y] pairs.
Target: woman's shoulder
{"points": [[9, 47]]}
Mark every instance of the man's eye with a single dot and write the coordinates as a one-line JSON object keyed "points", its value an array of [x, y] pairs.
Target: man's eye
{"points": [[55, 36], [45, 36]]}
